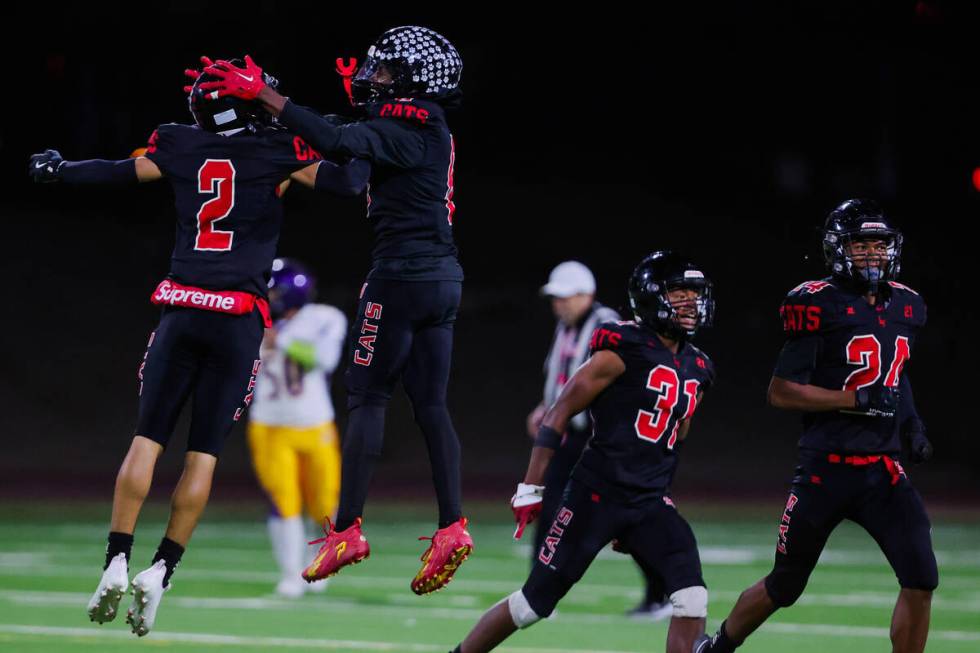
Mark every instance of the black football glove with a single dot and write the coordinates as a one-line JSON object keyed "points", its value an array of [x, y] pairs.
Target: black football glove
{"points": [[914, 435], [45, 167], [877, 401]]}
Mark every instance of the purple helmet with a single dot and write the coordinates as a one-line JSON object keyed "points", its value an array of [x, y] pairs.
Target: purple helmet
{"points": [[291, 286]]}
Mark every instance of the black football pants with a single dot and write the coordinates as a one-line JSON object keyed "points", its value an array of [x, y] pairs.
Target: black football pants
{"points": [[403, 330], [556, 478], [824, 494]]}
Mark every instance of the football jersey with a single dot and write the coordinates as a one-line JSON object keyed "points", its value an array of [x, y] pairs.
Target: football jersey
{"points": [[285, 393], [837, 340], [410, 194], [636, 420], [228, 209]]}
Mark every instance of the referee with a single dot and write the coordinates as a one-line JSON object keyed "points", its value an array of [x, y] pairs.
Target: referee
{"points": [[571, 288]]}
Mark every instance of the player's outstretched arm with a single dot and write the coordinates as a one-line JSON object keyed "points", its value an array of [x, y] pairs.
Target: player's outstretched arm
{"points": [[50, 166]]}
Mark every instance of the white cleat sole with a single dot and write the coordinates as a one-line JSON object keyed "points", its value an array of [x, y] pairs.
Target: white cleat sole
{"points": [[104, 604], [134, 616], [147, 593], [107, 606]]}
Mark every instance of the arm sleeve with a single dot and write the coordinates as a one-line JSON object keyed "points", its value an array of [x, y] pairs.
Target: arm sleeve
{"points": [[348, 179], [906, 401], [99, 171], [798, 359], [386, 142]]}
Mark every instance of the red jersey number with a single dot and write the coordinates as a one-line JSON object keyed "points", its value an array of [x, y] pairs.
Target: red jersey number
{"points": [[216, 177], [651, 426], [866, 352]]}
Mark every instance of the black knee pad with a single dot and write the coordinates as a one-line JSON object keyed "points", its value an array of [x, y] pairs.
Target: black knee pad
{"points": [[785, 586], [544, 596]]}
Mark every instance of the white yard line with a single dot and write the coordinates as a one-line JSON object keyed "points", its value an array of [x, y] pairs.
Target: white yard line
{"points": [[159, 637], [459, 612]]}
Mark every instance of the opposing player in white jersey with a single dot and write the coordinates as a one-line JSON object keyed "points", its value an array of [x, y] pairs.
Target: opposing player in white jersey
{"points": [[291, 433]]}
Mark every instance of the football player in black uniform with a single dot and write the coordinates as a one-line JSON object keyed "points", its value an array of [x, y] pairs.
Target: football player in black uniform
{"points": [[849, 337], [227, 172], [642, 384], [404, 325]]}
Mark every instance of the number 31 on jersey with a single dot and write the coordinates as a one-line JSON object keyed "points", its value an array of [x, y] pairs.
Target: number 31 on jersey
{"points": [[652, 426]]}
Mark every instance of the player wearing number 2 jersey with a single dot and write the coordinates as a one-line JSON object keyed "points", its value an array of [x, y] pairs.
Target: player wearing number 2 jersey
{"points": [[848, 339], [227, 174], [642, 384], [403, 328]]}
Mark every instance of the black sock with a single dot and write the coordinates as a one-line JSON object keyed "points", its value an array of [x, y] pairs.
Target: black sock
{"points": [[723, 643], [170, 552], [118, 543]]}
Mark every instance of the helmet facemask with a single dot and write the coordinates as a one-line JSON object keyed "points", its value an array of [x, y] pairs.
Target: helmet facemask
{"points": [[867, 256], [654, 307]]}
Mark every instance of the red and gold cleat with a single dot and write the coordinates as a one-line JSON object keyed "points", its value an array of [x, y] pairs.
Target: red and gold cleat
{"points": [[449, 548], [347, 547]]}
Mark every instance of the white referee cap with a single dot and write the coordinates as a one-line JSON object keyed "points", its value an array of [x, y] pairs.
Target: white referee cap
{"points": [[569, 278]]}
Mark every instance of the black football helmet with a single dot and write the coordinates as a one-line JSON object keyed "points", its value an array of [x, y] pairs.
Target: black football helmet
{"points": [[226, 114], [420, 62], [653, 277], [854, 220]]}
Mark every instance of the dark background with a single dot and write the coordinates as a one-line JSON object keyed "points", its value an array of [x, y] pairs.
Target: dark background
{"points": [[727, 132]]}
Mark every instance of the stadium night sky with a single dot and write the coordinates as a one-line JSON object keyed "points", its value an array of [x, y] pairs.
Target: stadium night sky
{"points": [[727, 133]]}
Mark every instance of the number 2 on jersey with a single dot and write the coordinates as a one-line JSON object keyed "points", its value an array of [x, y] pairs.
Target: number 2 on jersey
{"points": [[866, 351], [216, 177]]}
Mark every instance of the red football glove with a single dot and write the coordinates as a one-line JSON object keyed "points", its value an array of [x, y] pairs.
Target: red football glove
{"points": [[245, 83], [526, 504], [194, 74]]}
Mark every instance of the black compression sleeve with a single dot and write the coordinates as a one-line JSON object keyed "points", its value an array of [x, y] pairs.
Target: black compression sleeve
{"points": [[318, 132], [348, 179], [99, 171]]}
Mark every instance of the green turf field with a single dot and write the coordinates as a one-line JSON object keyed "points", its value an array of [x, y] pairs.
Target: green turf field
{"points": [[51, 557]]}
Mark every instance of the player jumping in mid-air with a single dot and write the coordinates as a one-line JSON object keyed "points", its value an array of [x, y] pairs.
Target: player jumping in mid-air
{"points": [[227, 173], [291, 432], [849, 337], [642, 384], [404, 323]]}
